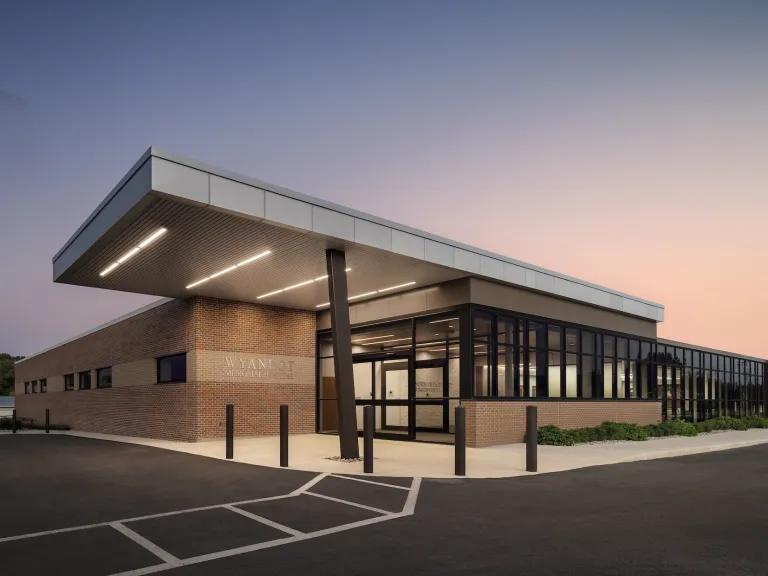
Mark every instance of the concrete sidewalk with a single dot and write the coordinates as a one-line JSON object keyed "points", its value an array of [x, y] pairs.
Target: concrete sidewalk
{"points": [[311, 452]]}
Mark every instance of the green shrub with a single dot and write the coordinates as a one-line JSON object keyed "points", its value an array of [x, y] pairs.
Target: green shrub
{"points": [[673, 428], [6, 423], [755, 422], [554, 436], [625, 431]]}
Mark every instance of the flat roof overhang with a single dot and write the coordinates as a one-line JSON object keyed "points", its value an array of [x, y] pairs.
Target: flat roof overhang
{"points": [[214, 220]]}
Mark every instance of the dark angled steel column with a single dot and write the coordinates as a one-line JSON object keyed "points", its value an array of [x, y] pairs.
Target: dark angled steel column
{"points": [[342, 353]]}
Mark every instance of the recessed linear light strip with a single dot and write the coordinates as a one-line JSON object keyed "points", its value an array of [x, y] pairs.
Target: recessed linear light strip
{"points": [[299, 285], [133, 251], [231, 268], [371, 293]]}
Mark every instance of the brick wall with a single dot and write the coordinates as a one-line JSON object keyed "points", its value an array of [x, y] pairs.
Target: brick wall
{"points": [[251, 332], [208, 330], [493, 423]]}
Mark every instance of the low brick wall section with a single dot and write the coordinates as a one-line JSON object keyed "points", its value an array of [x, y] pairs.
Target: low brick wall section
{"points": [[165, 412], [184, 412], [499, 422]]}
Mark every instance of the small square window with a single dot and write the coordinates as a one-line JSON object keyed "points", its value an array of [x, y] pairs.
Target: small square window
{"points": [[172, 368], [43, 386], [34, 386], [84, 380], [26, 387], [104, 377], [69, 381]]}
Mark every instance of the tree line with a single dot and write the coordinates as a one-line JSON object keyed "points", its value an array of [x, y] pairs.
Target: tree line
{"points": [[6, 373]]}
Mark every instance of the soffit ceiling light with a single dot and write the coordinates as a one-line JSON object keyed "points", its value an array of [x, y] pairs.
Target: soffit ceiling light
{"points": [[231, 268], [133, 251], [299, 285], [371, 293], [443, 320]]}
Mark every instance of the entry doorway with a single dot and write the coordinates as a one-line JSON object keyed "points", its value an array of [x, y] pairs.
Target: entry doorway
{"points": [[383, 382], [411, 399], [431, 401]]}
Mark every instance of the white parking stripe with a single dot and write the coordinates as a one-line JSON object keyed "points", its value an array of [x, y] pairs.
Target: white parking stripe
{"points": [[309, 484], [363, 506], [370, 482], [57, 531], [137, 518], [166, 557], [413, 494], [407, 511], [263, 520]]}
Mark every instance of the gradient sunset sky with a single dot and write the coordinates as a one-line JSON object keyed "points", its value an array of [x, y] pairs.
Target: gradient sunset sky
{"points": [[625, 143]]}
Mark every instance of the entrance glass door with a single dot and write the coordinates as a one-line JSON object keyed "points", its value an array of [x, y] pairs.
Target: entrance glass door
{"points": [[432, 401], [382, 381]]}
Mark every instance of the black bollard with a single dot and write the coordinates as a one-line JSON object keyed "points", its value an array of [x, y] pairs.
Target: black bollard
{"points": [[461, 441], [531, 438], [368, 439], [283, 436], [230, 431], [13, 419], [47, 421]]}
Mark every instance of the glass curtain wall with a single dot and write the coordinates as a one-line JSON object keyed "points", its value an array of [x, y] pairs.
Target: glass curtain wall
{"points": [[511, 356], [557, 360]]}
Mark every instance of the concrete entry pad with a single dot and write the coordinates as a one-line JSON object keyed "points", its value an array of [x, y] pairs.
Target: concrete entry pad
{"points": [[417, 459]]}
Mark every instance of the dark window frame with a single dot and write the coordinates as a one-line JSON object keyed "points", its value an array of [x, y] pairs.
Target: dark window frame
{"points": [[168, 357], [71, 387], [43, 385], [99, 372], [80, 379]]}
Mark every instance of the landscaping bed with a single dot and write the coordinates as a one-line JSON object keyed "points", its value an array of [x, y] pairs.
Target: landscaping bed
{"points": [[619, 431]]}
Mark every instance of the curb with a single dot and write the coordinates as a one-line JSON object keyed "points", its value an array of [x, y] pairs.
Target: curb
{"points": [[688, 451]]}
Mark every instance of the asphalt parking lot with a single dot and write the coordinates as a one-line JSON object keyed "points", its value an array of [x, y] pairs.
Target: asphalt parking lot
{"points": [[139, 510]]}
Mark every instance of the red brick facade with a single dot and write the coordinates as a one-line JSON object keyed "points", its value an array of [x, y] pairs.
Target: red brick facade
{"points": [[207, 330], [255, 357], [496, 422]]}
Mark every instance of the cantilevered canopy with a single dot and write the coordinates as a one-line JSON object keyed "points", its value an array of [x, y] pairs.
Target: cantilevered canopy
{"points": [[175, 227]]}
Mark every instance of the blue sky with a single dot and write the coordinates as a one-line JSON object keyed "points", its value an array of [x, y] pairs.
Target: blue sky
{"points": [[621, 142]]}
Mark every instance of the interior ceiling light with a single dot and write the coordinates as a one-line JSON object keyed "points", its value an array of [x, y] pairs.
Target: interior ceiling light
{"points": [[374, 338], [443, 320], [135, 250], [231, 268], [304, 283], [385, 341], [374, 292]]}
